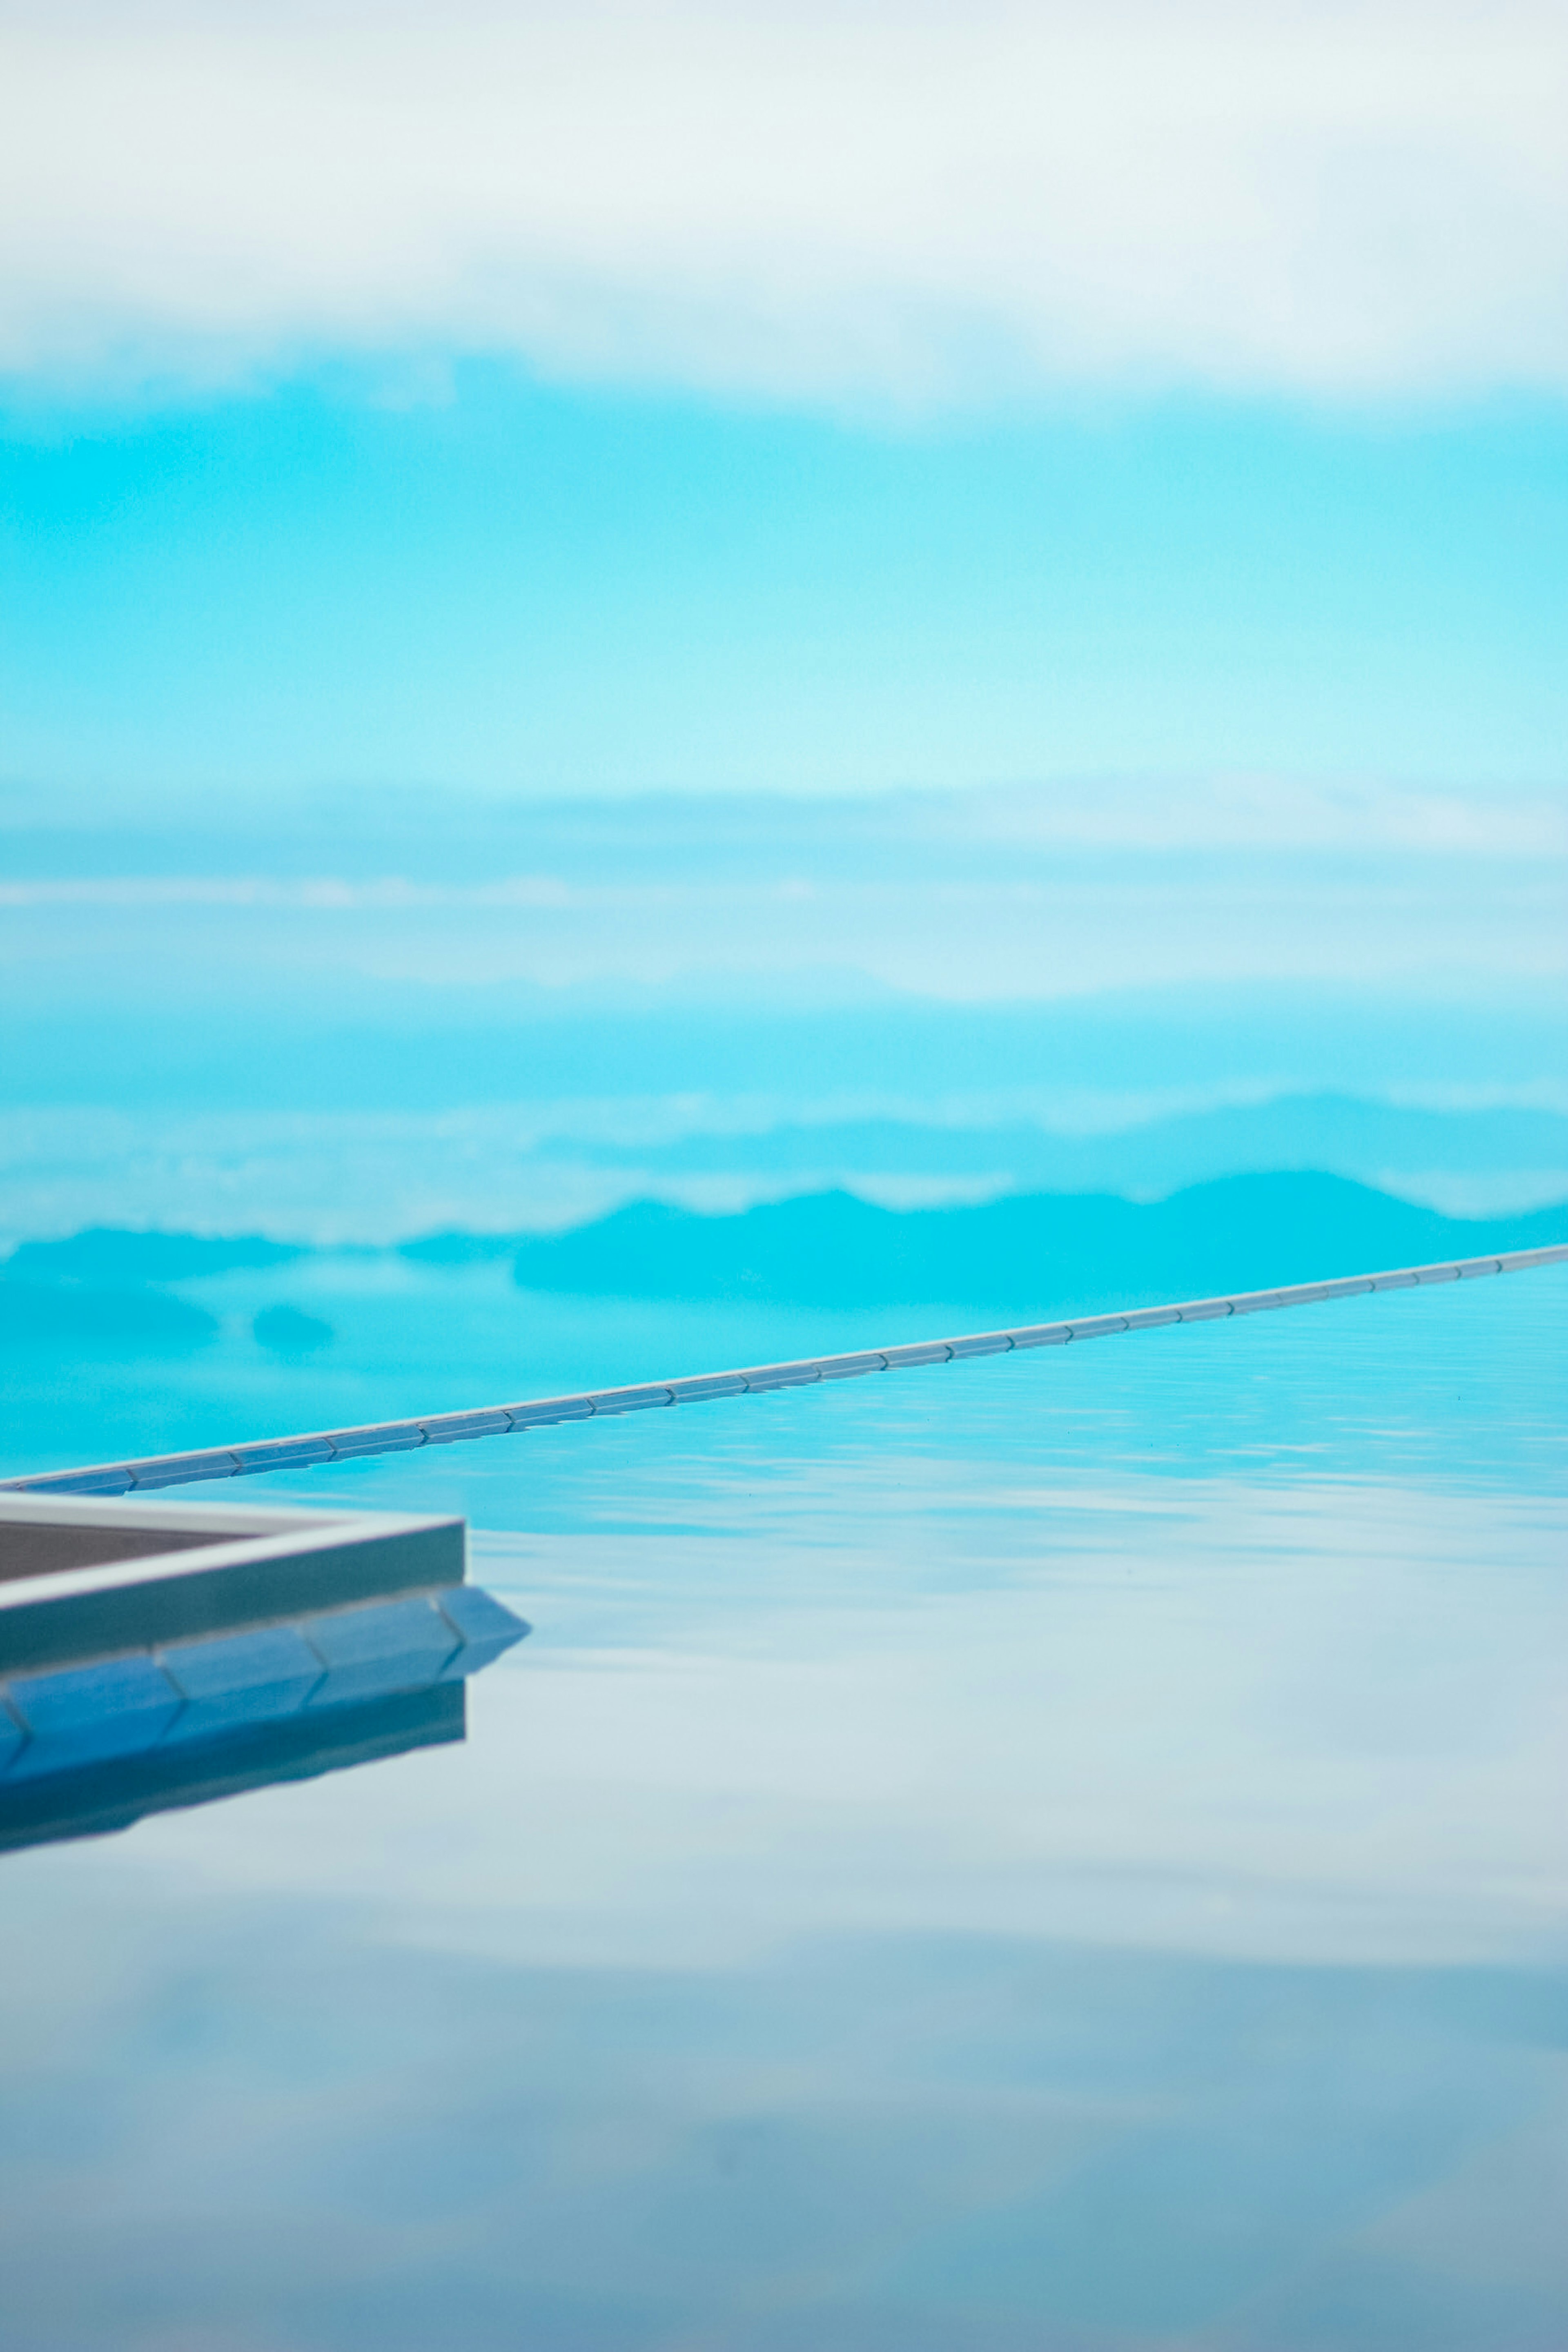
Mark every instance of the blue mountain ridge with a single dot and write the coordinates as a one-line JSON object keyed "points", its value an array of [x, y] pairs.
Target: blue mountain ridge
{"points": [[104, 1290], [115, 1254], [1036, 1251], [1338, 1134], [1025, 1256]]}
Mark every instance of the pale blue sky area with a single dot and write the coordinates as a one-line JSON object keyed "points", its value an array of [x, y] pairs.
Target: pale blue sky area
{"points": [[592, 578], [564, 589]]}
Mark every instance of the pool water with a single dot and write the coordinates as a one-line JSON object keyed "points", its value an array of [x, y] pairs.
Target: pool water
{"points": [[1061, 1853]]}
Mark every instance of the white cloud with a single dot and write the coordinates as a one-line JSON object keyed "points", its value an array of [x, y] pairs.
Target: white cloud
{"points": [[896, 203]]}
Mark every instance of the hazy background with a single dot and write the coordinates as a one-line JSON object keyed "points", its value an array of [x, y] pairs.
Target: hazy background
{"points": [[706, 606]]}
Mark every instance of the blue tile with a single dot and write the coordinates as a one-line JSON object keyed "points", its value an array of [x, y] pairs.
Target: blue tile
{"points": [[239, 1679], [90, 1713], [86, 1715], [105, 1742], [268, 1656], [237, 1710], [75, 1697], [487, 1626], [383, 1629], [391, 1646]]}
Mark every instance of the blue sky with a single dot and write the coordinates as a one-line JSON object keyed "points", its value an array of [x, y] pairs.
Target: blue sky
{"points": [[518, 398], [802, 529], [575, 589]]}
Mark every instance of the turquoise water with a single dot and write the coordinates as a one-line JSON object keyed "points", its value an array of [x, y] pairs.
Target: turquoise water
{"points": [[1062, 1851], [115, 1345]]}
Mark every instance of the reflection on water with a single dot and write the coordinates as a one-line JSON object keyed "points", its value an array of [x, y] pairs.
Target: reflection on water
{"points": [[93, 1792], [1002, 1863], [96, 1743]]}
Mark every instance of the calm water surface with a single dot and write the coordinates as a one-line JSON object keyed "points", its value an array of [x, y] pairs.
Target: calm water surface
{"points": [[1064, 1855]]}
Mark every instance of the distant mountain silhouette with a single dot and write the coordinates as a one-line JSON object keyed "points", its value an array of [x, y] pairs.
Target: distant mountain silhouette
{"points": [[1043, 1251], [117, 1253], [114, 1293], [100, 1295], [88, 1321], [289, 1331], [1335, 1132]]}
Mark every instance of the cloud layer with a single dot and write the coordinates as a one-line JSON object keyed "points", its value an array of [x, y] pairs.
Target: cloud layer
{"points": [[894, 205]]}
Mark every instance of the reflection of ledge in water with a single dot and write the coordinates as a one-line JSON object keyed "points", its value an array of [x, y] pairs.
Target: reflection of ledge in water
{"points": [[94, 1799], [94, 1745]]}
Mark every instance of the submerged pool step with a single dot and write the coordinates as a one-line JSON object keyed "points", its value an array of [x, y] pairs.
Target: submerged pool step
{"points": [[66, 1719]]}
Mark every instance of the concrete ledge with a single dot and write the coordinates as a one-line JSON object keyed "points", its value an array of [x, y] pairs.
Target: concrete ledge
{"points": [[83, 1578]]}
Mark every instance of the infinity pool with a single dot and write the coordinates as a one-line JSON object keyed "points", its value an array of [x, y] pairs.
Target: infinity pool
{"points": [[1055, 1854]]}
